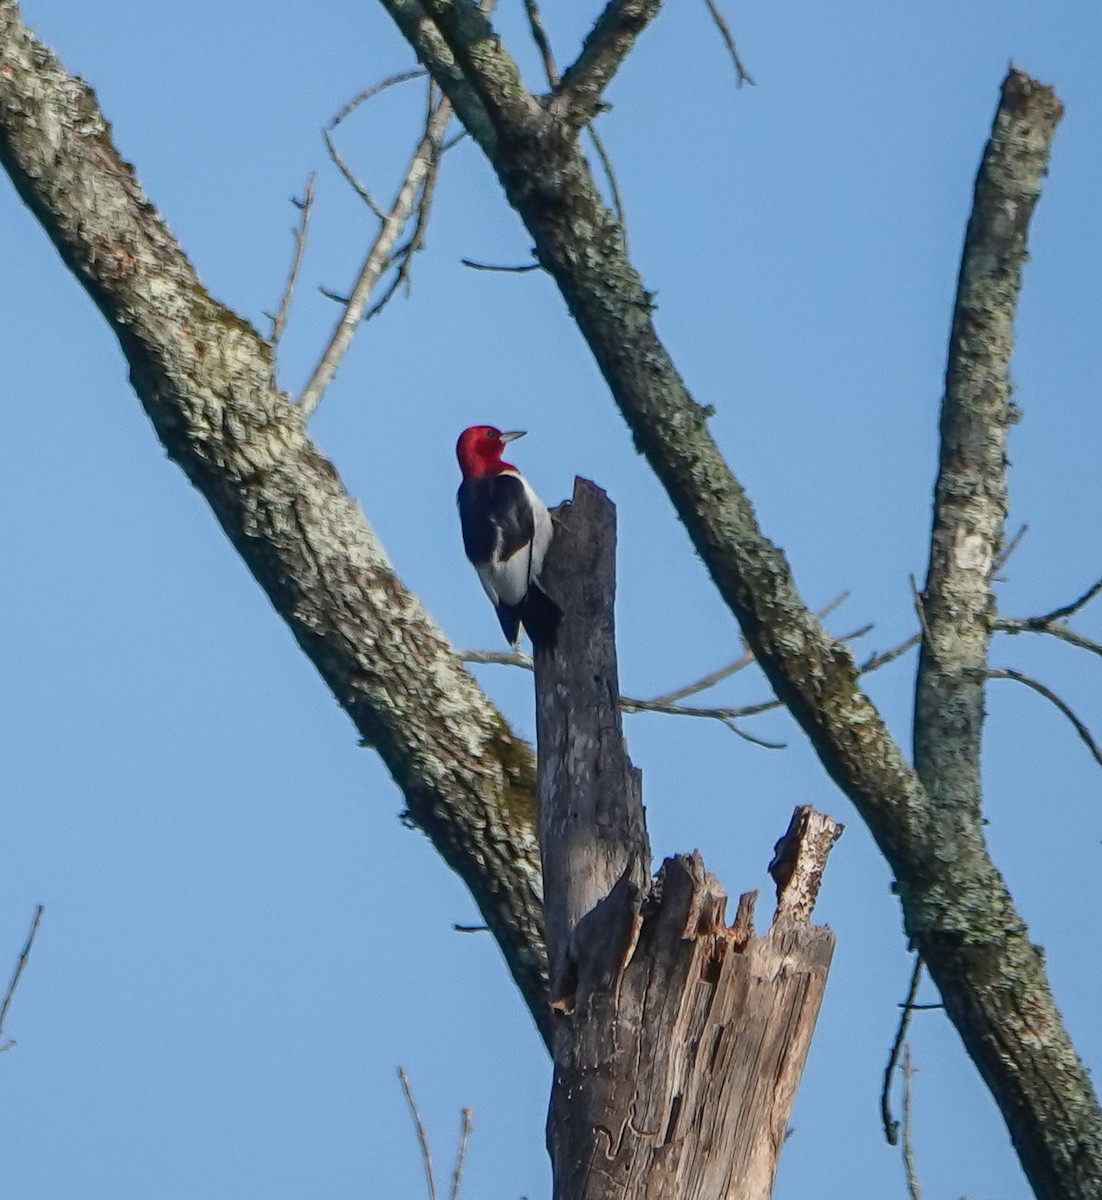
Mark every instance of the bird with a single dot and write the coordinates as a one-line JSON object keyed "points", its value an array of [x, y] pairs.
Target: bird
{"points": [[506, 532]]}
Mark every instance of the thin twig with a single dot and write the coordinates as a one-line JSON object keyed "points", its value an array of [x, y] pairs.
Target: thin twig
{"points": [[481, 266], [1053, 622], [305, 207], [1004, 554], [631, 704], [422, 1136], [416, 242], [17, 974], [742, 75], [500, 658], [403, 256], [1058, 614], [725, 716], [1031, 625], [471, 928], [421, 165], [1041, 690], [744, 660], [465, 1130], [610, 175], [374, 90], [543, 44], [351, 177], [908, 1071], [349, 108], [891, 1126], [669, 704], [876, 661]]}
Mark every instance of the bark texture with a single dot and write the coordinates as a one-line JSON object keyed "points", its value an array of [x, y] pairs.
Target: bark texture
{"points": [[955, 904], [678, 1042], [205, 378], [991, 977], [592, 833]]}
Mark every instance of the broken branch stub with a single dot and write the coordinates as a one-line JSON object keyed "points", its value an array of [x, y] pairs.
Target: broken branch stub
{"points": [[678, 1041]]}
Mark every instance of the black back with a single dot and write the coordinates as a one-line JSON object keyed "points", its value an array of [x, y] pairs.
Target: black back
{"points": [[495, 516]]}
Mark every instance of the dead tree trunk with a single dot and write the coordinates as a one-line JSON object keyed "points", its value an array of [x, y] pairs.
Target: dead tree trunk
{"points": [[678, 1041]]}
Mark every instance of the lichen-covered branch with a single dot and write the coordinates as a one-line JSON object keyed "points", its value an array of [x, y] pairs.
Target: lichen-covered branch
{"points": [[960, 917], [433, 52], [578, 96], [492, 73], [970, 497], [205, 378]]}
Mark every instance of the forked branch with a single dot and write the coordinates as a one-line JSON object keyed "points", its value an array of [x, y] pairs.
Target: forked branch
{"points": [[412, 197], [1055, 623], [579, 95]]}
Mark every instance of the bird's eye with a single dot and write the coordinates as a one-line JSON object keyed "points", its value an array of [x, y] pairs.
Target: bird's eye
{"points": [[492, 434]]}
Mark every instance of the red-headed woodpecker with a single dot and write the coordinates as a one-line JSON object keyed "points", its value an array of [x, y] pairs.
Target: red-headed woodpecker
{"points": [[506, 532]]}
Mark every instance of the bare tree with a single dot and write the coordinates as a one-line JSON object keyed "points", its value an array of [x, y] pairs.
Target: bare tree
{"points": [[206, 379]]}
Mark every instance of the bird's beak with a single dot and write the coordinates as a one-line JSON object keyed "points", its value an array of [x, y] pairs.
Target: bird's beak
{"points": [[512, 437]]}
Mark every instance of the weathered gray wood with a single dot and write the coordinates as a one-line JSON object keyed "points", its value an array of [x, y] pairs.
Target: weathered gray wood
{"points": [[678, 1041], [592, 831]]}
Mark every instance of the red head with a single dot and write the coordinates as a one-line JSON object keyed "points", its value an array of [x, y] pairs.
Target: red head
{"points": [[479, 450]]}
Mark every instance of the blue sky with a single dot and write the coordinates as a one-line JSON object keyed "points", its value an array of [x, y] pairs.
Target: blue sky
{"points": [[241, 941]]}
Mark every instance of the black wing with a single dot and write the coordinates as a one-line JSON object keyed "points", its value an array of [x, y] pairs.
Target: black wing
{"points": [[496, 517]]}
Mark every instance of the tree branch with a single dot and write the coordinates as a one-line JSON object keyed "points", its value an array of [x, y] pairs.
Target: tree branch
{"points": [[466, 1128], [422, 1135], [305, 207], [742, 75], [17, 974], [520, 269], [891, 1126], [974, 943], [485, 63], [1053, 623], [1062, 705], [433, 51], [960, 916], [419, 174], [577, 99], [205, 378], [909, 1169], [543, 45], [970, 498], [1029, 625]]}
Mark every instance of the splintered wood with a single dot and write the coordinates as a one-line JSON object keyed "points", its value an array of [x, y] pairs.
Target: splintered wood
{"points": [[678, 1040]]}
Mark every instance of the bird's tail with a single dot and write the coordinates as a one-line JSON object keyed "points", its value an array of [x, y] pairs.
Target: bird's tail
{"points": [[540, 616]]}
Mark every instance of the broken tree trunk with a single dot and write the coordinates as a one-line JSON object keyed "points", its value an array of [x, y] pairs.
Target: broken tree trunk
{"points": [[678, 1041]]}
